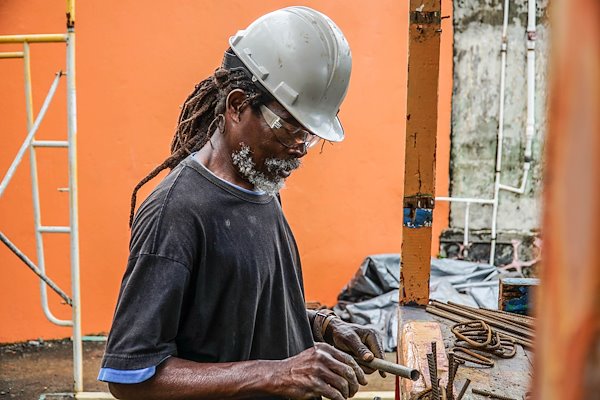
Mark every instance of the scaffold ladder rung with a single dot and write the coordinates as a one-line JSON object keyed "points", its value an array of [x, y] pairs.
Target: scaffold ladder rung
{"points": [[50, 143], [54, 229]]}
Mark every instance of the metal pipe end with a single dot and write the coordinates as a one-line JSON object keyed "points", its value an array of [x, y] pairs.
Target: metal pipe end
{"points": [[414, 375]]}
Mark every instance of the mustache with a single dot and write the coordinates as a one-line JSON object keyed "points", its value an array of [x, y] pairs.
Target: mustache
{"points": [[275, 165]]}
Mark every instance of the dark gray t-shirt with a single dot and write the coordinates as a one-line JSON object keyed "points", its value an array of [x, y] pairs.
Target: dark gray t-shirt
{"points": [[213, 276]]}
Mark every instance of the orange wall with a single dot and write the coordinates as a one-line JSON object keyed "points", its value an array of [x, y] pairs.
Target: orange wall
{"points": [[135, 65]]}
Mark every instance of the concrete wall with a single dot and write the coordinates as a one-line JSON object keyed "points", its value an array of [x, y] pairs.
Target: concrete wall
{"points": [[475, 107]]}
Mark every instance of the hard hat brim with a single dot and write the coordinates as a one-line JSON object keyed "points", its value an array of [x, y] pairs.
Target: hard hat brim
{"points": [[335, 134]]}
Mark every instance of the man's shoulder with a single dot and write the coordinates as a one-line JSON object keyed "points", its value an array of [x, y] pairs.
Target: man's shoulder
{"points": [[183, 183]]}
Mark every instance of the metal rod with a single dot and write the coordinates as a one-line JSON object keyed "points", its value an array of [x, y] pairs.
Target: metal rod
{"points": [[497, 318], [30, 135], [453, 317], [452, 366], [516, 320], [475, 284], [73, 200], [444, 314], [35, 269], [50, 143], [463, 390], [491, 395], [487, 319], [38, 38], [521, 316], [392, 368], [435, 389], [11, 54]]}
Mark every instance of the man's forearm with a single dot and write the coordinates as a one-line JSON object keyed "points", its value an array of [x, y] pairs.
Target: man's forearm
{"points": [[178, 379]]}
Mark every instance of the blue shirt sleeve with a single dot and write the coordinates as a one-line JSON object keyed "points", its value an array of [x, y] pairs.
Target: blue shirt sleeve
{"points": [[126, 376]]}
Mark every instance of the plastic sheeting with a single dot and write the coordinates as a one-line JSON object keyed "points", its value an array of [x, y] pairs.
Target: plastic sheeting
{"points": [[371, 296]]}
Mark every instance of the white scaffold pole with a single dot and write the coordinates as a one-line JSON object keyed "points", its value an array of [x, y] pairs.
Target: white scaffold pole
{"points": [[73, 200]]}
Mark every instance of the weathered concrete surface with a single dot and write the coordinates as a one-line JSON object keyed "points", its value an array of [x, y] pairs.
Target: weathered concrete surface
{"points": [[475, 105], [479, 247]]}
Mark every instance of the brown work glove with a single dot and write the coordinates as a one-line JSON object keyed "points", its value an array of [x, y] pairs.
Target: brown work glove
{"points": [[362, 342]]}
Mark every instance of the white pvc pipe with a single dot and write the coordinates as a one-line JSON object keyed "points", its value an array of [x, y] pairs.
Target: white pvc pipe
{"points": [[465, 200], [520, 189], [530, 129], [466, 229], [531, 38], [500, 140], [468, 202]]}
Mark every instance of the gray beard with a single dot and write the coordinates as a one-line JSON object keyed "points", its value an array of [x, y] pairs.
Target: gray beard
{"points": [[271, 185]]}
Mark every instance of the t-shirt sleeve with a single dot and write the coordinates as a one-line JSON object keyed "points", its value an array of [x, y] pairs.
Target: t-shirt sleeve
{"points": [[126, 376], [148, 313]]}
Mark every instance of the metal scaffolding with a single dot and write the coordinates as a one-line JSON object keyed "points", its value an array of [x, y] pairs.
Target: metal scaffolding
{"points": [[31, 144]]}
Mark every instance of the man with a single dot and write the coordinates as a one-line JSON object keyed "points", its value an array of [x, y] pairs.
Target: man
{"points": [[212, 302]]}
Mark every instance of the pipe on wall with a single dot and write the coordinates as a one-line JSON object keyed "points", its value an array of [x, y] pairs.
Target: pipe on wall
{"points": [[529, 132]]}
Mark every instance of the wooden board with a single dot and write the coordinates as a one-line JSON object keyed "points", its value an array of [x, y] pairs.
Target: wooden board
{"points": [[419, 165], [508, 377]]}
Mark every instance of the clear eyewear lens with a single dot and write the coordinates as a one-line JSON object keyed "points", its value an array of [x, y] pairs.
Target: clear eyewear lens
{"points": [[312, 141], [293, 136]]}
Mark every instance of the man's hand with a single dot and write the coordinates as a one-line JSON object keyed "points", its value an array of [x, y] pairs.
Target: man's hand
{"points": [[319, 371], [362, 342]]}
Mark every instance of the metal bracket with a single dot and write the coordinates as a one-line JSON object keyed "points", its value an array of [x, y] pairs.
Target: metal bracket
{"points": [[418, 211], [419, 201], [425, 17]]}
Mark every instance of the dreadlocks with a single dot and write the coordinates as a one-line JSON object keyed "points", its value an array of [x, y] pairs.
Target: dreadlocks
{"points": [[199, 118]]}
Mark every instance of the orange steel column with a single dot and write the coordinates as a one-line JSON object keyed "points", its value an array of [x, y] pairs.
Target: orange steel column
{"points": [[421, 129], [567, 361]]}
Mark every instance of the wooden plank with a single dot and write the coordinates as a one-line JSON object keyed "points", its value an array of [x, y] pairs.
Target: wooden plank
{"points": [[421, 129], [567, 361], [415, 344]]}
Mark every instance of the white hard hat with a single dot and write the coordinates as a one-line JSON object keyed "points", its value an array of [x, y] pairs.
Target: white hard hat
{"points": [[303, 60]]}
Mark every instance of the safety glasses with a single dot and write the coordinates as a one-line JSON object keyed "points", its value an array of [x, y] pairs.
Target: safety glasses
{"points": [[287, 134]]}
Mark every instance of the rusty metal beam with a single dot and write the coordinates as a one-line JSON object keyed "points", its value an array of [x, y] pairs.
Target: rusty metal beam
{"points": [[421, 130]]}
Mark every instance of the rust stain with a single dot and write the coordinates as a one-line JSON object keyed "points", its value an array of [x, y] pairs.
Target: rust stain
{"points": [[70, 21]]}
